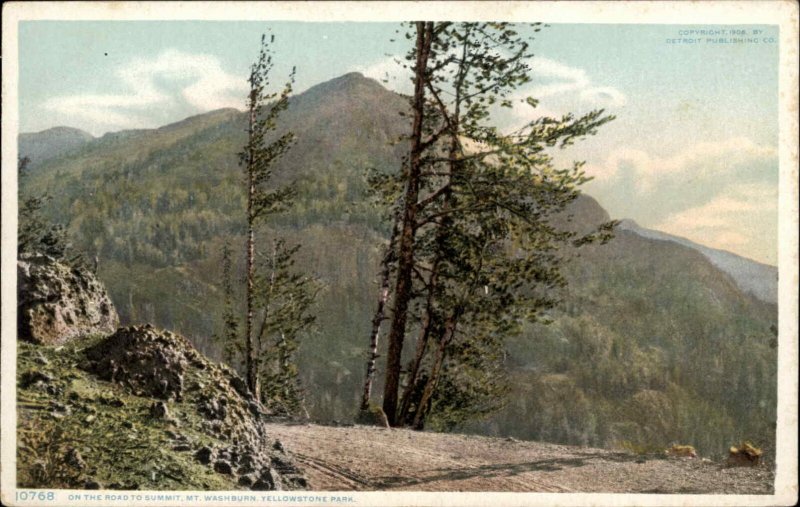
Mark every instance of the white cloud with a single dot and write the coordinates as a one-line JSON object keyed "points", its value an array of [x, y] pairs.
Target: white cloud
{"points": [[551, 78], [173, 79], [560, 78], [561, 88], [554, 78], [703, 159], [734, 202], [738, 219], [723, 194], [390, 72]]}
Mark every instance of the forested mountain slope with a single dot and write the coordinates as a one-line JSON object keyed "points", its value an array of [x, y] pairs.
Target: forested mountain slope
{"points": [[651, 344], [760, 280]]}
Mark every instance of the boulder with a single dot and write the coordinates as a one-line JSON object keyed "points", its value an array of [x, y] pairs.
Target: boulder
{"points": [[223, 467], [158, 410], [204, 455], [149, 361], [57, 303], [213, 408], [159, 364], [744, 455], [32, 377], [74, 459]]}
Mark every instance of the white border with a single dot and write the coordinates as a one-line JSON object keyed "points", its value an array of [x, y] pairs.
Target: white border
{"points": [[783, 13]]}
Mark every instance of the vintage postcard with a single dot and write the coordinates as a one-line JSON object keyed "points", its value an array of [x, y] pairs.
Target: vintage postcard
{"points": [[399, 253]]}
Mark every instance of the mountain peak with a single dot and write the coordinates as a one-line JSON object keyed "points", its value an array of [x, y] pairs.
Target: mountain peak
{"points": [[350, 76], [352, 82], [349, 79], [629, 224], [50, 143]]}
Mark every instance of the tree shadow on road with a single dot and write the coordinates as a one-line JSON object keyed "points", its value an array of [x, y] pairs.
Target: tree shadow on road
{"points": [[501, 469]]}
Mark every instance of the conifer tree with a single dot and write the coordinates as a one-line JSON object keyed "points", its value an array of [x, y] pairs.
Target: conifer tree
{"points": [[405, 243], [286, 298], [477, 252], [231, 344], [35, 233], [258, 159]]}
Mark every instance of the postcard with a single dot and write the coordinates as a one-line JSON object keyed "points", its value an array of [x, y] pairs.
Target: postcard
{"points": [[399, 253]]}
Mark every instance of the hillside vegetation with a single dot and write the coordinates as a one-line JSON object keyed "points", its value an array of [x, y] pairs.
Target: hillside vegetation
{"points": [[141, 409], [652, 344]]}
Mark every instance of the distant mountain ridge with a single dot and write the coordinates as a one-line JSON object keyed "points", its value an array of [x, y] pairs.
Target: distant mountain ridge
{"points": [[760, 280], [51, 143]]}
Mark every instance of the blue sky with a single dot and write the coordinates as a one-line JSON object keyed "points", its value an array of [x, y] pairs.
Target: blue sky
{"points": [[693, 151]]}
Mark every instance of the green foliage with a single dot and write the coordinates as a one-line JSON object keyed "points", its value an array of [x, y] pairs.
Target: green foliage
{"points": [[261, 152], [230, 339], [474, 383], [35, 233], [287, 299], [41, 451], [282, 297]]}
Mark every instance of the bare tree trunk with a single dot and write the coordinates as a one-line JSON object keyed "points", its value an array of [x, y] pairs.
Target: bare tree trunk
{"points": [[403, 287], [422, 345], [250, 352], [386, 264], [427, 393], [441, 233]]}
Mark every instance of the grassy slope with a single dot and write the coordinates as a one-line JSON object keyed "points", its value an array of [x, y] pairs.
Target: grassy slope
{"points": [[123, 447]]}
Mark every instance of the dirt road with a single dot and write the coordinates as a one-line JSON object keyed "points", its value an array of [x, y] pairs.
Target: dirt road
{"points": [[369, 458]]}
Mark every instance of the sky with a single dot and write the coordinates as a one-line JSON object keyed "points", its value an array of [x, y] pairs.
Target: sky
{"points": [[693, 150]]}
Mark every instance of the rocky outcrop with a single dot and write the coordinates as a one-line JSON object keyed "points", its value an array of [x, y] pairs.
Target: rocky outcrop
{"points": [[57, 303], [154, 363], [149, 362], [133, 384]]}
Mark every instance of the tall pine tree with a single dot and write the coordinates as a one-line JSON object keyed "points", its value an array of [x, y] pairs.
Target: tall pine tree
{"points": [[277, 297], [476, 253]]}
